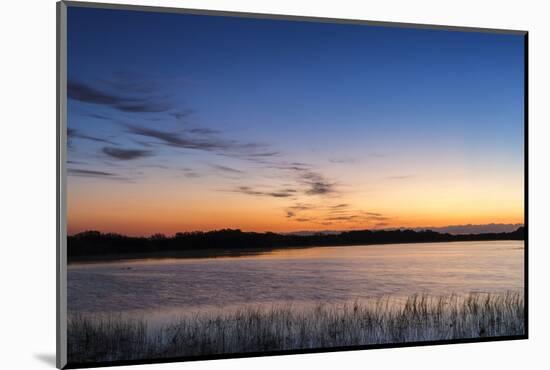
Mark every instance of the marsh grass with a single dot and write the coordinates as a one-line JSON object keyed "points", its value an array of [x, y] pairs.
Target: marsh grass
{"points": [[253, 329]]}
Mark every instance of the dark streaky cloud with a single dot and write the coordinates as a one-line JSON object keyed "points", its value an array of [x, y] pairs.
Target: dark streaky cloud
{"points": [[78, 171], [226, 169], [72, 133], [202, 141], [317, 183], [118, 100], [180, 115], [126, 154], [283, 193]]}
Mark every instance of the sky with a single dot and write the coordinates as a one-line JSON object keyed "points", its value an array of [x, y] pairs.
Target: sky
{"points": [[184, 122]]}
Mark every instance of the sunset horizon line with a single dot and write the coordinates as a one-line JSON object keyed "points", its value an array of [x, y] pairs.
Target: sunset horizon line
{"points": [[441, 229]]}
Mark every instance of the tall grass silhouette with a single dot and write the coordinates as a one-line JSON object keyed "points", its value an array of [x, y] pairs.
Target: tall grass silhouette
{"points": [[417, 318]]}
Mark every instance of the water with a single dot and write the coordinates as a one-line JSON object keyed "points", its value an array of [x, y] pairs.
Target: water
{"points": [[299, 276]]}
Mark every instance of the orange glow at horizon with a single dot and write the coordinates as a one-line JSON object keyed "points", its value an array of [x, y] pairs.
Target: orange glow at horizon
{"points": [[165, 206]]}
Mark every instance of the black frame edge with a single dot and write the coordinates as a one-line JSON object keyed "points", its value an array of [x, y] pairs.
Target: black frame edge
{"points": [[286, 17], [61, 259], [526, 178]]}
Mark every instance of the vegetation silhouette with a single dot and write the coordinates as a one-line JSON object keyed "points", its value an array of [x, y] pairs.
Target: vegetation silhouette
{"points": [[419, 318], [97, 245]]}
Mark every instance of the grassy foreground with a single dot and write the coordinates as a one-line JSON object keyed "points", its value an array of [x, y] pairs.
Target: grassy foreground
{"points": [[254, 329]]}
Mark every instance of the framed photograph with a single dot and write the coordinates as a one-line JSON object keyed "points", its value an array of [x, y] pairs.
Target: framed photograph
{"points": [[234, 184]]}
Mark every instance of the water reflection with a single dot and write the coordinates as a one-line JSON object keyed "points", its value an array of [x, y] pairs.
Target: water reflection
{"points": [[298, 276]]}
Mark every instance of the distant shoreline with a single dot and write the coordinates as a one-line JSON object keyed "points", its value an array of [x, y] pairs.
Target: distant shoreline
{"points": [[181, 250]]}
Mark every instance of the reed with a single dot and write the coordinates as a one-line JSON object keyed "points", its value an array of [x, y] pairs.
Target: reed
{"points": [[418, 318]]}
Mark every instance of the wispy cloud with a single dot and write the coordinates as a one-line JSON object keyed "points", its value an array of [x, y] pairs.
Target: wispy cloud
{"points": [[73, 133], [178, 140], [97, 116], [325, 214], [126, 154], [317, 183], [87, 93], [190, 172], [320, 188], [226, 169], [280, 193], [342, 218], [103, 175], [88, 173], [289, 166], [132, 94], [203, 141], [262, 154], [339, 207], [301, 207], [182, 114], [375, 214]]}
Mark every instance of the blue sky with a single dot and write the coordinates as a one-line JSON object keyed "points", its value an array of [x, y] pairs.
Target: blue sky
{"points": [[319, 94]]}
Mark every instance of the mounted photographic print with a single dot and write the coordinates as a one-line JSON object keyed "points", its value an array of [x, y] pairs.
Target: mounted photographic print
{"points": [[234, 184]]}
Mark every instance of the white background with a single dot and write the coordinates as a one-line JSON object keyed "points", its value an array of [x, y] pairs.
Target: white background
{"points": [[27, 148]]}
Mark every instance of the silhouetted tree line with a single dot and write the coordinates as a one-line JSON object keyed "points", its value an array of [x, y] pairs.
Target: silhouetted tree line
{"points": [[94, 243]]}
